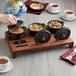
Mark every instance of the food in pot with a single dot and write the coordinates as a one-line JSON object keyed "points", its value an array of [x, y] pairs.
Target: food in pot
{"points": [[16, 31], [37, 6], [55, 24], [36, 27]]}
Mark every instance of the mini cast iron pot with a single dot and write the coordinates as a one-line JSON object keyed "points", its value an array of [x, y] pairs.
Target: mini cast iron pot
{"points": [[62, 33], [42, 36], [35, 10], [13, 27], [17, 36], [33, 33], [54, 30]]}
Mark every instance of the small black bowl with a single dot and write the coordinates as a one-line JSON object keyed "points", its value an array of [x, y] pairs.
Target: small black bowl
{"points": [[35, 10], [54, 30], [17, 36], [33, 32]]}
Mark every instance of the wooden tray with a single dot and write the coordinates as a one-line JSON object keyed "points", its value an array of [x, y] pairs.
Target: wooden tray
{"points": [[30, 44]]}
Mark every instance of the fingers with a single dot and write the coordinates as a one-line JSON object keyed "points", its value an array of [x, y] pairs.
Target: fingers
{"points": [[8, 19], [15, 19], [12, 20]]}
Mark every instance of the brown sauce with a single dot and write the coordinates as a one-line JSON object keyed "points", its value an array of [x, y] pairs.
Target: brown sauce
{"points": [[3, 61], [69, 12], [54, 5]]}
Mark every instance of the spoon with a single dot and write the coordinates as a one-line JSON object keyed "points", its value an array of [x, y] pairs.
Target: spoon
{"points": [[71, 55]]}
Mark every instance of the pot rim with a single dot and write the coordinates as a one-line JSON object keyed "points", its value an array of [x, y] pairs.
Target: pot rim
{"points": [[36, 9], [43, 25], [19, 33], [16, 25], [62, 22]]}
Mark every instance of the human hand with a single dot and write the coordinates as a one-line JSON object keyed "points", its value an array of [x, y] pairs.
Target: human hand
{"points": [[8, 19]]}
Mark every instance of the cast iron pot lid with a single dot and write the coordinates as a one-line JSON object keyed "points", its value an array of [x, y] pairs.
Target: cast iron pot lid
{"points": [[19, 23], [42, 36], [62, 33]]}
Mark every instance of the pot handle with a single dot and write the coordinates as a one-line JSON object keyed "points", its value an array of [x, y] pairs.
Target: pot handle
{"points": [[7, 32], [62, 22], [24, 27], [43, 24]]}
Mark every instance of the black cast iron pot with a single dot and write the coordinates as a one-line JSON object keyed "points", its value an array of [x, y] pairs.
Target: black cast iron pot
{"points": [[17, 36], [42, 36], [54, 30], [62, 33], [35, 10], [16, 26], [33, 33]]}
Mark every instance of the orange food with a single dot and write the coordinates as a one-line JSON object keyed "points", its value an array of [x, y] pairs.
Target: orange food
{"points": [[36, 27], [55, 24], [37, 6], [17, 31]]}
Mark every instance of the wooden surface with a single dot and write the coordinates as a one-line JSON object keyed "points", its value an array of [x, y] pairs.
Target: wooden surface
{"points": [[40, 63], [31, 45]]}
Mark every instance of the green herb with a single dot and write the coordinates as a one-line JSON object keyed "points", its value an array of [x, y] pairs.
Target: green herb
{"points": [[12, 1]]}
